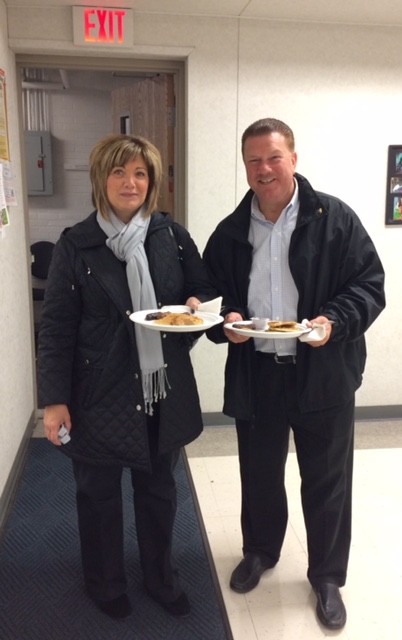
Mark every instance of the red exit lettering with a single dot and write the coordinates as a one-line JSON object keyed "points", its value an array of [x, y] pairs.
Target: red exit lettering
{"points": [[104, 26]]}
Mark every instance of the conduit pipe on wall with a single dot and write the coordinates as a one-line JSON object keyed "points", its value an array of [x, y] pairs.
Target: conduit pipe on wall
{"points": [[64, 78], [45, 86]]}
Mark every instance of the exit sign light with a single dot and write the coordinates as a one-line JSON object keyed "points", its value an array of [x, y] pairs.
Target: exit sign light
{"points": [[103, 26]]}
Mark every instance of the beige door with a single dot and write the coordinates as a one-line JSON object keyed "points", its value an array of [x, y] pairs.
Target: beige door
{"points": [[147, 108]]}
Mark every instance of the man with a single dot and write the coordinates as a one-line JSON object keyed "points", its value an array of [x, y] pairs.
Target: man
{"points": [[290, 253]]}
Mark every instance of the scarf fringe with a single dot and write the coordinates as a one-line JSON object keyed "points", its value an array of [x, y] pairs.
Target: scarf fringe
{"points": [[154, 385]]}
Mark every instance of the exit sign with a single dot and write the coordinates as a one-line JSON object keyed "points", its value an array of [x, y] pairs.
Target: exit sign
{"points": [[103, 26]]}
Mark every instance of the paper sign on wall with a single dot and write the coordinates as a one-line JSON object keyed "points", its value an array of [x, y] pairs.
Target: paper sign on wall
{"points": [[4, 153], [8, 185], [4, 218]]}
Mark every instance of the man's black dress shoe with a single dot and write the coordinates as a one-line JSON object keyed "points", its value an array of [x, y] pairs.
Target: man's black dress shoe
{"points": [[331, 611], [117, 608], [247, 574]]}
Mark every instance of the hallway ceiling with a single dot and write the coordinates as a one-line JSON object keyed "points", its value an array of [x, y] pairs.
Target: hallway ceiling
{"points": [[366, 12]]}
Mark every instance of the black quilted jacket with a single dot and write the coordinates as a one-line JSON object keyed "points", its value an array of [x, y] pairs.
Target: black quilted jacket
{"points": [[87, 355]]}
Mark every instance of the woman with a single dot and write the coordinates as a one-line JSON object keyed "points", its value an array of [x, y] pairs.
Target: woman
{"points": [[126, 394]]}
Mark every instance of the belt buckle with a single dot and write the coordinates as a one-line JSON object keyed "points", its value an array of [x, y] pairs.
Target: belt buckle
{"points": [[289, 359]]}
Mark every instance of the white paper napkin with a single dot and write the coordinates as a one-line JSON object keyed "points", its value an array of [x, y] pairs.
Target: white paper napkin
{"points": [[212, 306], [316, 334]]}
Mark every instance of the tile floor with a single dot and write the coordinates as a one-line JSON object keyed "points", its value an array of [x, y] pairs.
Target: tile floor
{"points": [[282, 607]]}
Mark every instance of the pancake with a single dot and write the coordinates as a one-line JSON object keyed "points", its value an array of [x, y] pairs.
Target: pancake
{"points": [[283, 327], [179, 320]]}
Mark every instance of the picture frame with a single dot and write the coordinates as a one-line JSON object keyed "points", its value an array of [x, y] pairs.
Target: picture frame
{"points": [[393, 207]]}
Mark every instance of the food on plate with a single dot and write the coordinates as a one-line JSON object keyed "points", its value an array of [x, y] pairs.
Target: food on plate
{"points": [[156, 315], [178, 319], [241, 325], [282, 327], [279, 327]]}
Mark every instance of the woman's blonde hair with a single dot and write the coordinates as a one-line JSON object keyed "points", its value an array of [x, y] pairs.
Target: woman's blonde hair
{"points": [[117, 150]]}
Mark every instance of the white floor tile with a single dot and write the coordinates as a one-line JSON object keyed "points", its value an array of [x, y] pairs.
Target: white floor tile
{"points": [[290, 622], [282, 607], [242, 626]]}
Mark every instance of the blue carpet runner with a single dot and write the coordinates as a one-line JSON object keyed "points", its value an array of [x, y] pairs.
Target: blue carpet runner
{"points": [[41, 588]]}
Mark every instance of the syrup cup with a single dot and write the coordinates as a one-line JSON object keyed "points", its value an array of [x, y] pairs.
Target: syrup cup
{"points": [[261, 324]]}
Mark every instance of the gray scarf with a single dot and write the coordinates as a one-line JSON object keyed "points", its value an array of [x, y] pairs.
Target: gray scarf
{"points": [[127, 243]]}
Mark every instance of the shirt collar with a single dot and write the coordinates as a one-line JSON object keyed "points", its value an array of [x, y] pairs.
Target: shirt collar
{"points": [[290, 208]]}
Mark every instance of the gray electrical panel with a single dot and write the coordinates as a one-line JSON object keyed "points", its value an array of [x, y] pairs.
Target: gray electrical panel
{"points": [[38, 155]]}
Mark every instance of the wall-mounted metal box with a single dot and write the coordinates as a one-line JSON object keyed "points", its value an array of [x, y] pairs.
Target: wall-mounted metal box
{"points": [[38, 155]]}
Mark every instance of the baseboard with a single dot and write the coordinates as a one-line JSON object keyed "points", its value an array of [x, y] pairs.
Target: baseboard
{"points": [[11, 486], [216, 419], [383, 412]]}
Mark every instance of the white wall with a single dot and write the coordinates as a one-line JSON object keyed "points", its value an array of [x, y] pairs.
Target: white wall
{"points": [[17, 390], [78, 119], [335, 85]]}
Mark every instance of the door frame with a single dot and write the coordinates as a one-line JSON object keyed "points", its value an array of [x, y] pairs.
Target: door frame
{"points": [[177, 68]]}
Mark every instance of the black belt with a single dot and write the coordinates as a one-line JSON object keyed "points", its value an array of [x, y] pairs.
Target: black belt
{"points": [[277, 358]]}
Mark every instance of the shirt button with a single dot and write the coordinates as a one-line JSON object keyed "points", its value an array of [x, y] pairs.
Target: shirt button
{"points": [[128, 313], [164, 335], [138, 407], [136, 376]]}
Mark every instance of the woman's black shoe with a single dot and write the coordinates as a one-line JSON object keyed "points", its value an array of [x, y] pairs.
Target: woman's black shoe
{"points": [[118, 608], [180, 608]]}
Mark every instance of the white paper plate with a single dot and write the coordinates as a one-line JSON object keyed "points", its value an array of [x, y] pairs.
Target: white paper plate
{"points": [[210, 319], [266, 335]]}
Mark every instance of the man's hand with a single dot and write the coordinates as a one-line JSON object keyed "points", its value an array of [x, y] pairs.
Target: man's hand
{"points": [[321, 320], [232, 335]]}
